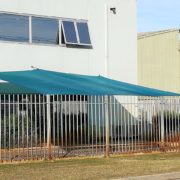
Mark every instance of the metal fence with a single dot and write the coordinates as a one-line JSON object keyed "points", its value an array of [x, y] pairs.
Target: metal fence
{"points": [[38, 126]]}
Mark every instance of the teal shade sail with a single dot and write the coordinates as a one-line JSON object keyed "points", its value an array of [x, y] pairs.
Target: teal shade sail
{"points": [[8, 88], [50, 82]]}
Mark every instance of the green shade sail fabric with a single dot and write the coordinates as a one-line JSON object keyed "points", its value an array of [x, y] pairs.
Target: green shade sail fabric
{"points": [[49, 82], [7, 88]]}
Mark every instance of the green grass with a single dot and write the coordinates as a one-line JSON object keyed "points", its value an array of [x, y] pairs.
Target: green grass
{"points": [[93, 168]]}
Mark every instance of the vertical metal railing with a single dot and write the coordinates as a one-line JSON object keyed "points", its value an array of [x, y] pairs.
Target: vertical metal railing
{"points": [[54, 126]]}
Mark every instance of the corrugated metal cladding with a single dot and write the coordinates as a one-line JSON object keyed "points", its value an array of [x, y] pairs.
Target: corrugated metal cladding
{"points": [[159, 60]]}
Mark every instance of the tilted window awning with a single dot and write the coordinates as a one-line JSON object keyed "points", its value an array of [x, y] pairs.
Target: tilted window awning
{"points": [[49, 82]]}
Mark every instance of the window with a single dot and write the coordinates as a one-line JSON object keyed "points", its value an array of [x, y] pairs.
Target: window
{"points": [[76, 33], [83, 32], [69, 31], [42, 30], [14, 28], [45, 30]]}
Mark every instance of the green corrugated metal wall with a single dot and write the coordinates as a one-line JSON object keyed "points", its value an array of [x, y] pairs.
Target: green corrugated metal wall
{"points": [[159, 61]]}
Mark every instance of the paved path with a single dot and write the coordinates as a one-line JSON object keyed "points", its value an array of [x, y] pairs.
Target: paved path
{"points": [[166, 176]]}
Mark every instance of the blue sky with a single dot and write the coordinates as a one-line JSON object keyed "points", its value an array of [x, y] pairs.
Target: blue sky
{"points": [[158, 14]]}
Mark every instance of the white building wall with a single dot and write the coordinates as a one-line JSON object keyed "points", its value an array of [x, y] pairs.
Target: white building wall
{"points": [[121, 32]]}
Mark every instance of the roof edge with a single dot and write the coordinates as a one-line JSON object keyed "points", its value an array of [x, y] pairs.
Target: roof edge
{"points": [[154, 33]]}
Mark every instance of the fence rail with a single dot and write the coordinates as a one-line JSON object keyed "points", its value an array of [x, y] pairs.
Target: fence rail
{"points": [[38, 126]]}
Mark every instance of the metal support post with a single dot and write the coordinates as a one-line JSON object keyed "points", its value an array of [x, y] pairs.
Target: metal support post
{"points": [[162, 122], [107, 125], [48, 125], [106, 39]]}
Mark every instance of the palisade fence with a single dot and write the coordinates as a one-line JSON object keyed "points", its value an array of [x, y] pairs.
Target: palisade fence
{"points": [[54, 126]]}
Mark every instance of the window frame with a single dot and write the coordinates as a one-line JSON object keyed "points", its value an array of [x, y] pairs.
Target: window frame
{"points": [[83, 44], [43, 20], [65, 33], [77, 33], [16, 40], [61, 30]]}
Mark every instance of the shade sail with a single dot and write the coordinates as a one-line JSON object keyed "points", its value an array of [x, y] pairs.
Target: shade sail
{"points": [[49, 82], [8, 88]]}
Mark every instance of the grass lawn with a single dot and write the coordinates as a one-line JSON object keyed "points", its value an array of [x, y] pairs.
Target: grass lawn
{"points": [[93, 168]]}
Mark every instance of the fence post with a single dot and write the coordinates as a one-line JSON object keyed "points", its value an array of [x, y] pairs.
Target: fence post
{"points": [[107, 125], [162, 123], [48, 125]]}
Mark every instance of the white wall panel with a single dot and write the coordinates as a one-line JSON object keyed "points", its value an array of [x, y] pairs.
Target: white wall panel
{"points": [[122, 39]]}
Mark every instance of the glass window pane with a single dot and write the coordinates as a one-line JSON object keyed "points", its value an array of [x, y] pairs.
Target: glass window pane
{"points": [[14, 28], [69, 32], [45, 30], [83, 32]]}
